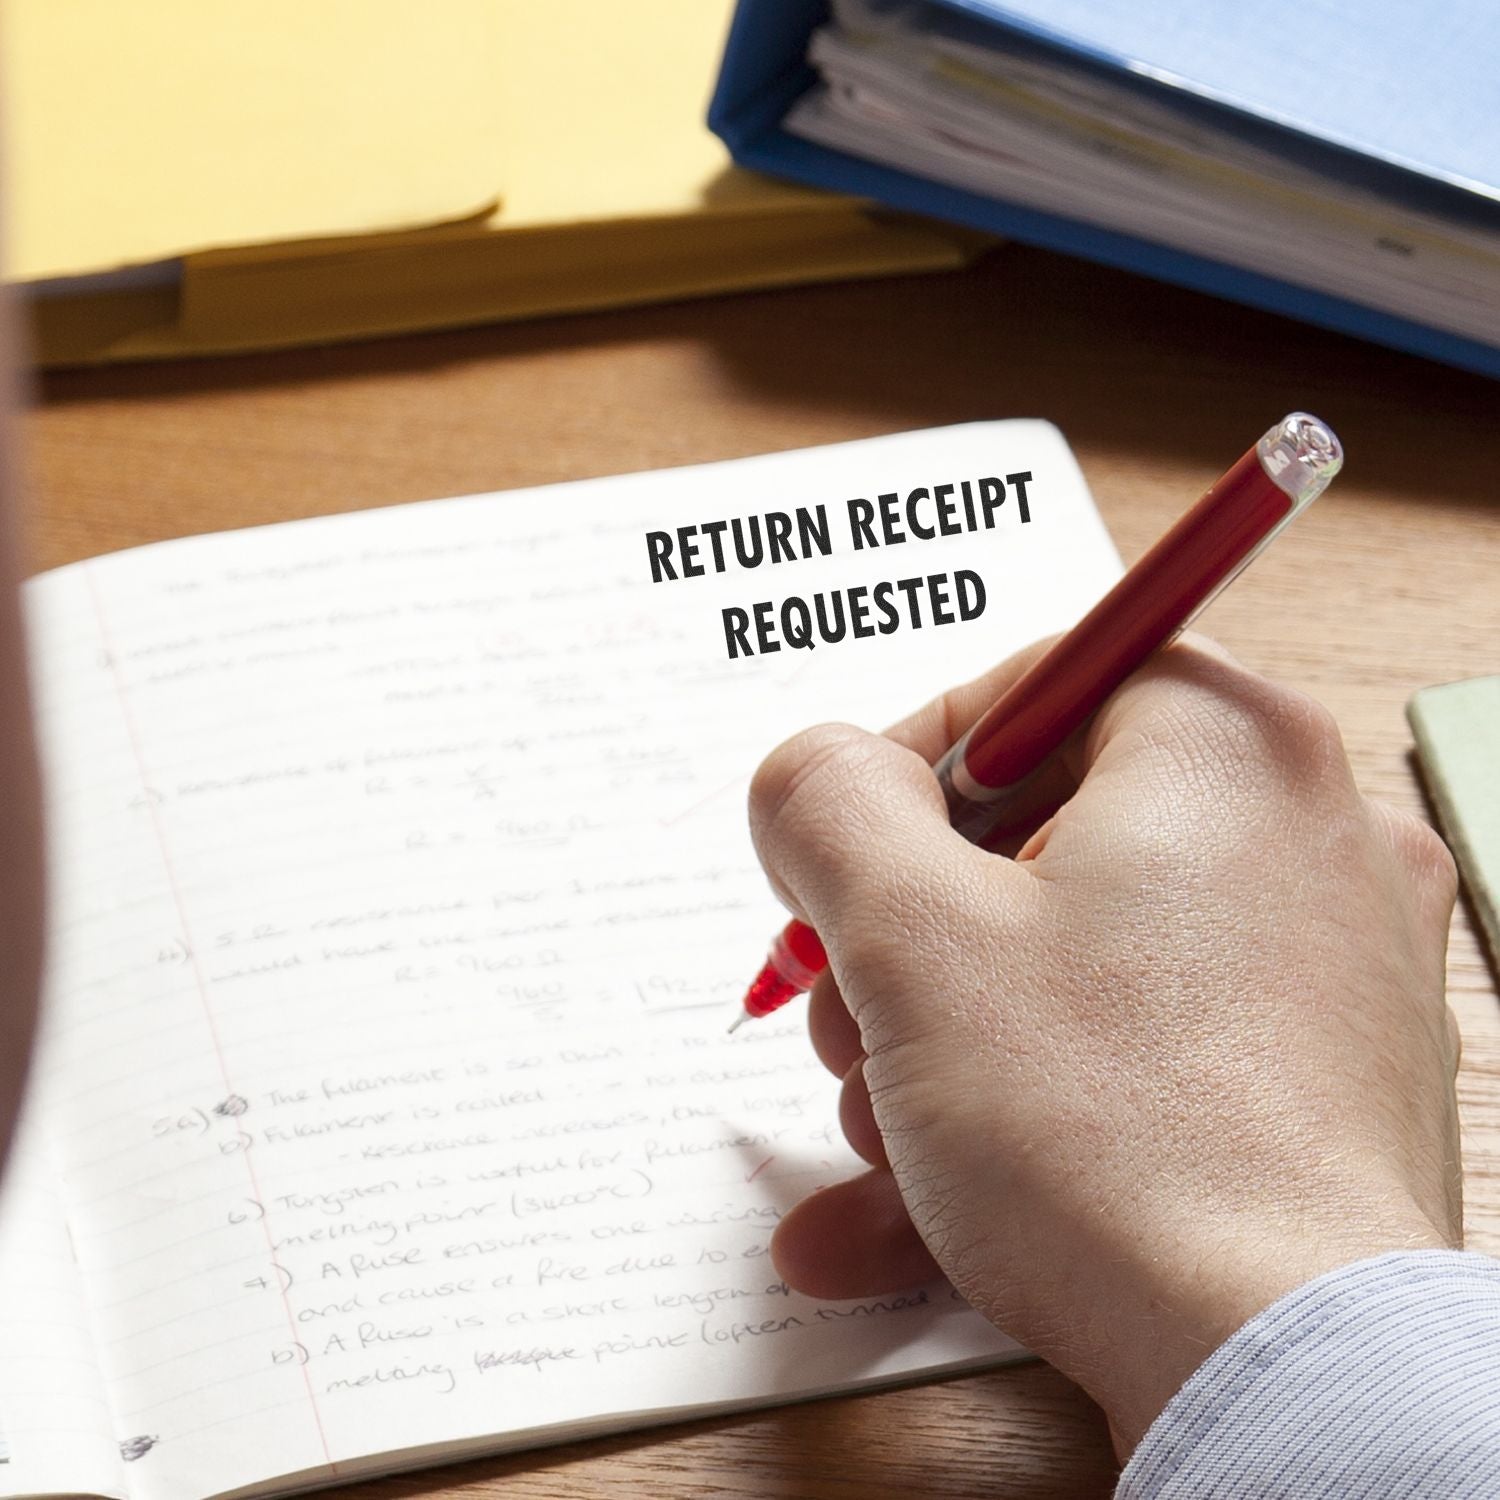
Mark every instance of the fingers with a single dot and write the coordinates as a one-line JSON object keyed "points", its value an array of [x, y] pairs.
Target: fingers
{"points": [[1422, 856], [853, 831], [938, 723], [834, 1032], [835, 1038], [854, 1239], [1190, 758], [942, 721], [1192, 704], [857, 1117]]}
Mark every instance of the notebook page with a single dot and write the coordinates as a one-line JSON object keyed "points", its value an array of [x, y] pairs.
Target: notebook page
{"points": [[56, 1431], [403, 893]]}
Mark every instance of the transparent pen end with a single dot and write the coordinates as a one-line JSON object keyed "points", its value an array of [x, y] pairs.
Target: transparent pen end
{"points": [[1301, 455]]}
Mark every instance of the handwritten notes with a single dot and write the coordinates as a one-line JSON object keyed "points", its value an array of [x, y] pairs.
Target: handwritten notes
{"points": [[402, 898], [56, 1436]]}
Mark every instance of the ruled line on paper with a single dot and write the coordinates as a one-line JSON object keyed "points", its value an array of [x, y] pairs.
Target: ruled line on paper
{"points": [[133, 735]]}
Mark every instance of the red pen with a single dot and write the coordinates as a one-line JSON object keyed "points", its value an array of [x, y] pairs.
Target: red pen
{"points": [[990, 778]]}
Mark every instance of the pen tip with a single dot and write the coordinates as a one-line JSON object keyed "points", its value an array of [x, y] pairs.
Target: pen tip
{"points": [[738, 1021]]}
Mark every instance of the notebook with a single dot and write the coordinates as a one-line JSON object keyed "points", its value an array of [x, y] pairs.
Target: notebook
{"points": [[385, 1112], [1336, 164], [1457, 728]]}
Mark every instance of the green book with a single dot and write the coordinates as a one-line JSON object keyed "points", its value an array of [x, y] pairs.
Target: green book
{"points": [[1457, 727]]}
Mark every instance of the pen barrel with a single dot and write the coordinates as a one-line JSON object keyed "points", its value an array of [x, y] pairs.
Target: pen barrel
{"points": [[1064, 688], [994, 816], [1006, 773], [798, 955]]}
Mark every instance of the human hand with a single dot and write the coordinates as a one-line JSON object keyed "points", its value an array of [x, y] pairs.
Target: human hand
{"points": [[1188, 1050]]}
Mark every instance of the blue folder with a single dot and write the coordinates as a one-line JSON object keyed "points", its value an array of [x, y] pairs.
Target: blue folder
{"points": [[1378, 92]]}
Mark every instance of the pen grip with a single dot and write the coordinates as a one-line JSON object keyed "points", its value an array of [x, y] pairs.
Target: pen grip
{"points": [[791, 968], [988, 816]]}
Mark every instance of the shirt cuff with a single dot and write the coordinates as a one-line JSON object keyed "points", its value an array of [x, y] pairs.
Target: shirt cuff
{"points": [[1380, 1379]]}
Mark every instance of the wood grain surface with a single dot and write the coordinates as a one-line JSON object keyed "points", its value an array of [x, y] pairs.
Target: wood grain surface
{"points": [[1390, 582]]}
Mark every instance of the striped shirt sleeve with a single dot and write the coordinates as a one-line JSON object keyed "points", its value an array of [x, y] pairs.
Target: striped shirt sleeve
{"points": [[1377, 1381]]}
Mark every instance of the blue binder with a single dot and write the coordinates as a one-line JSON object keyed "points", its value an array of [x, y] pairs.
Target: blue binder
{"points": [[1334, 110]]}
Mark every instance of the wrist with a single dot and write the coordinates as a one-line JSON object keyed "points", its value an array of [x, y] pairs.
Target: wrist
{"points": [[1184, 1309]]}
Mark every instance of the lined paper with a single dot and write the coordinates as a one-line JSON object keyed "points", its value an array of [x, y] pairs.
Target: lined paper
{"points": [[56, 1433], [403, 892]]}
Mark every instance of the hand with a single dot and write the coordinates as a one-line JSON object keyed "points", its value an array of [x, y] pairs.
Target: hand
{"points": [[1187, 1050]]}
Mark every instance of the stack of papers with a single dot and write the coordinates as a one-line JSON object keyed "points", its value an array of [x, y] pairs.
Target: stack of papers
{"points": [[934, 93]]}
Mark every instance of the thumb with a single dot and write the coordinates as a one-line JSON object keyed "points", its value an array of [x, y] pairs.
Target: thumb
{"points": [[853, 832]]}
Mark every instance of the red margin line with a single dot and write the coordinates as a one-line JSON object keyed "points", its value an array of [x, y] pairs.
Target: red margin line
{"points": [[132, 734]]}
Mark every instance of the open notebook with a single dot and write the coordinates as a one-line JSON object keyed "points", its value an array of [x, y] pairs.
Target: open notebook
{"points": [[385, 1112]]}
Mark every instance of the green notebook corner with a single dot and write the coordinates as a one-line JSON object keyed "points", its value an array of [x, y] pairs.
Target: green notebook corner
{"points": [[1457, 728]]}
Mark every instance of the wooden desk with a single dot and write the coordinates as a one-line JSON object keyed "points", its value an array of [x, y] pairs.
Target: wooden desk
{"points": [[1392, 581]]}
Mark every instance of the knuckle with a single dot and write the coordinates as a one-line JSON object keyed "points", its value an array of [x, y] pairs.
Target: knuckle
{"points": [[857, 1118], [1193, 644], [1213, 716], [1453, 1035], [813, 838], [1284, 721], [801, 767], [1307, 725], [1423, 852], [1286, 731]]}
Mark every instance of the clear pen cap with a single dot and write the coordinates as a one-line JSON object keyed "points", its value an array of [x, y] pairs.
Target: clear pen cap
{"points": [[1300, 455]]}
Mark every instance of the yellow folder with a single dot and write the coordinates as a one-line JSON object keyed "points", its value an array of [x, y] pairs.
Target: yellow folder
{"points": [[202, 176]]}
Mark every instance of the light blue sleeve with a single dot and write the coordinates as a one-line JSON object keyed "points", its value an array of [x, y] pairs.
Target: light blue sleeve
{"points": [[1377, 1381]]}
